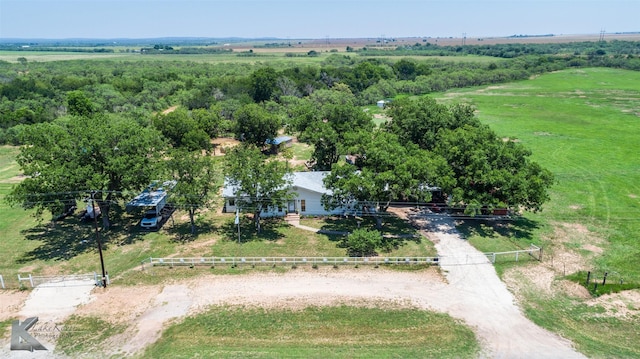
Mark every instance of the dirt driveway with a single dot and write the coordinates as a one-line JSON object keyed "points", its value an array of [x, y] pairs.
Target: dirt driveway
{"points": [[471, 292]]}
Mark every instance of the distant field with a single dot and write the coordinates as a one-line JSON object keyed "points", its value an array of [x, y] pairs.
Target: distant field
{"points": [[297, 49]]}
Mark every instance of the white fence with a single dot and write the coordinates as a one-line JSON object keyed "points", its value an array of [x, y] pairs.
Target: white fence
{"points": [[289, 261], [64, 280], [534, 252]]}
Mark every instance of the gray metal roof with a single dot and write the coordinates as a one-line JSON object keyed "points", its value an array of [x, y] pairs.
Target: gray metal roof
{"points": [[278, 140], [312, 181]]}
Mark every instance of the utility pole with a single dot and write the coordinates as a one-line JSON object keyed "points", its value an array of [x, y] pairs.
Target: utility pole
{"points": [[95, 222]]}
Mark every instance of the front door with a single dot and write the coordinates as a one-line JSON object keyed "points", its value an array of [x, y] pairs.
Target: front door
{"points": [[291, 206]]}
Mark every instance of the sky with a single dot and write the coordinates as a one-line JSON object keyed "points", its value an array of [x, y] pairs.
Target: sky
{"points": [[312, 19]]}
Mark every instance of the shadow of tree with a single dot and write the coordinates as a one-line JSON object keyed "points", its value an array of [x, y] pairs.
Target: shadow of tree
{"points": [[181, 232], [396, 232], [68, 238], [269, 230], [516, 230], [62, 241], [391, 225]]}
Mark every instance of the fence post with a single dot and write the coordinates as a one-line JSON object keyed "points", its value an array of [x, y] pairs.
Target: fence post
{"points": [[494, 258], [517, 255], [2, 281], [31, 280], [604, 280], [588, 278]]}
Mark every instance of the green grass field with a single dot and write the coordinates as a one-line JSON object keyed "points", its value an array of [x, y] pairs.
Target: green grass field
{"points": [[316, 332]]}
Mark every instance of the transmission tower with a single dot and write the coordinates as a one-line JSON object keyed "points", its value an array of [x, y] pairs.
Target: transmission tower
{"points": [[601, 35]]}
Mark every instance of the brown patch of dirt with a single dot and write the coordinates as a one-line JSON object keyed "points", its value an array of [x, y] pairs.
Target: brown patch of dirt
{"points": [[559, 259], [169, 110], [567, 238], [593, 248], [519, 279], [634, 196], [573, 289], [624, 305], [109, 304], [221, 143], [12, 302]]}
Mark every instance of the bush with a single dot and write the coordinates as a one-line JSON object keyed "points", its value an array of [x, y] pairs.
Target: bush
{"points": [[362, 242]]}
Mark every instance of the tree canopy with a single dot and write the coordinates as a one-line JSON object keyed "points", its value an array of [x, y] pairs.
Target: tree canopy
{"points": [[489, 172], [492, 172], [385, 171], [254, 124], [196, 182], [65, 159], [259, 181]]}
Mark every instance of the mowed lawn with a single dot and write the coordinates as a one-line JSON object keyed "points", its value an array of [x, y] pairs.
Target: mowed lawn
{"points": [[316, 332], [584, 126]]}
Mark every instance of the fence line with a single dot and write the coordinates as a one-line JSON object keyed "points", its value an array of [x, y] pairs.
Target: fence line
{"points": [[63, 280], [533, 249], [72, 280], [273, 261]]}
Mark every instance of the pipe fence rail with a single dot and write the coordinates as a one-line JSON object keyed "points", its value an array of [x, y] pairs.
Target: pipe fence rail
{"points": [[288, 261], [534, 252], [493, 257], [62, 280]]}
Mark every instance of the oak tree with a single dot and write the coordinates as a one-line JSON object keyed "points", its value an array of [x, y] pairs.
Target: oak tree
{"points": [[65, 159], [259, 181]]}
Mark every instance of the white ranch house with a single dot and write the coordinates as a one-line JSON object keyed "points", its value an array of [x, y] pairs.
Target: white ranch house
{"points": [[308, 188]]}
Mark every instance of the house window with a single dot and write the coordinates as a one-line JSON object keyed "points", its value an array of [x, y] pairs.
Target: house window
{"points": [[232, 202], [303, 205]]}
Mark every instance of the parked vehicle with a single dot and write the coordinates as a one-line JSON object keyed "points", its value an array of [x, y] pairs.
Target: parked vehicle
{"points": [[151, 219]]}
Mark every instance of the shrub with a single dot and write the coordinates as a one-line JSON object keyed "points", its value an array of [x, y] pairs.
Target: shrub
{"points": [[362, 242]]}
